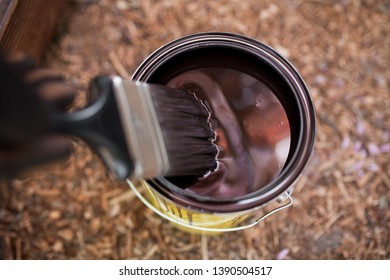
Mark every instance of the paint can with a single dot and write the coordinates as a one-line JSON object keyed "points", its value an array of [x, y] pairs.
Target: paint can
{"points": [[266, 122]]}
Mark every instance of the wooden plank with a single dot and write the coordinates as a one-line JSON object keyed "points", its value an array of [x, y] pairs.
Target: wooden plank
{"points": [[7, 8], [26, 27]]}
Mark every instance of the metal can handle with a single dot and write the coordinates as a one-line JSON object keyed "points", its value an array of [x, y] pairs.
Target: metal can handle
{"points": [[284, 206]]}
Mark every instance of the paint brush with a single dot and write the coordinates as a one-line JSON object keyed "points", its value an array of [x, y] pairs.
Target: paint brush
{"points": [[143, 130]]}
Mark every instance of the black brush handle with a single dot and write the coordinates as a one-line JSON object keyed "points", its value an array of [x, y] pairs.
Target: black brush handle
{"points": [[99, 125]]}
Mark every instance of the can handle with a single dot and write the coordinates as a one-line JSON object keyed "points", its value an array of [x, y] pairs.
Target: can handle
{"points": [[273, 211], [284, 206]]}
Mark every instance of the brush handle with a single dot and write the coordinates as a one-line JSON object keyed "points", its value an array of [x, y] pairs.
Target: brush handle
{"points": [[99, 125]]}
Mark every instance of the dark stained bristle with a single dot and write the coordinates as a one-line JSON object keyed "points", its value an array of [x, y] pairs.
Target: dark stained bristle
{"points": [[187, 132]]}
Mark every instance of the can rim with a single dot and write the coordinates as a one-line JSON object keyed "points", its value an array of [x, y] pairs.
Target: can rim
{"points": [[293, 167]]}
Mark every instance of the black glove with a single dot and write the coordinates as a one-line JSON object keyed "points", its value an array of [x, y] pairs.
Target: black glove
{"points": [[27, 95]]}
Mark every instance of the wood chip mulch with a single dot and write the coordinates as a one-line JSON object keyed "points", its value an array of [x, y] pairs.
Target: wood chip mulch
{"points": [[73, 210]]}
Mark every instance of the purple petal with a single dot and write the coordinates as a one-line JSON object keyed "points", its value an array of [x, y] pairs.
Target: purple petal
{"points": [[345, 143], [372, 166], [320, 79], [282, 254], [381, 81], [385, 148], [339, 82], [357, 146], [358, 167], [373, 149], [360, 128]]}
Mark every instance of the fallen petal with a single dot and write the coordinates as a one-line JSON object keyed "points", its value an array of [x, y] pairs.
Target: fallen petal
{"points": [[282, 254], [385, 148], [373, 149]]}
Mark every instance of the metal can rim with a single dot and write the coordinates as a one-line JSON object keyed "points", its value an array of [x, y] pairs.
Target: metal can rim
{"points": [[293, 168]]}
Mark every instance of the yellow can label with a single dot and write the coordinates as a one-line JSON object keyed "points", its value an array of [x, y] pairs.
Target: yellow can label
{"points": [[184, 218]]}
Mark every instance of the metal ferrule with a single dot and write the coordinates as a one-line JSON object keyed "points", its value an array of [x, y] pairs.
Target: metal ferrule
{"points": [[142, 128]]}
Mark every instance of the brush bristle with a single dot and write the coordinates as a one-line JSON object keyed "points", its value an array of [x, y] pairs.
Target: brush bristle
{"points": [[187, 132]]}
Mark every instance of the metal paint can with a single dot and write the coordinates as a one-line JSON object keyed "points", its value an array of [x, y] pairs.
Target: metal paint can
{"points": [[217, 54]]}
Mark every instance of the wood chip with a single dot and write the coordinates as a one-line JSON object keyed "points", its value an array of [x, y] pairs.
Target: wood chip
{"points": [[118, 65], [204, 247]]}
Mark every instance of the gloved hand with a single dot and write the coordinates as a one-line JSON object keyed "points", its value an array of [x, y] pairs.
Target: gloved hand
{"points": [[27, 95]]}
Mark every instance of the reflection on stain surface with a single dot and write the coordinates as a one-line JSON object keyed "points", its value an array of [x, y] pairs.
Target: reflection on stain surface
{"points": [[253, 131]]}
